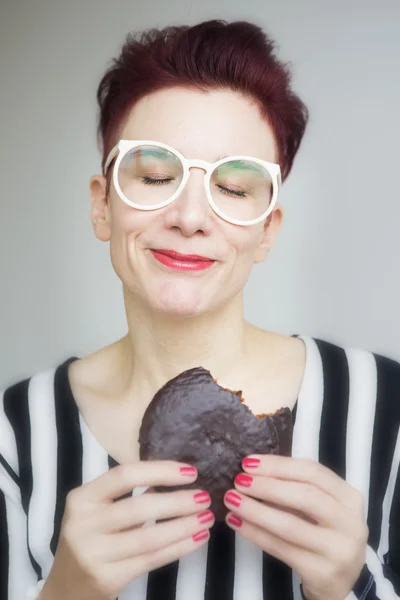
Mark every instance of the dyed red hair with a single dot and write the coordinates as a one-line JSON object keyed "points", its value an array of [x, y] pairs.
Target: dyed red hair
{"points": [[238, 56]]}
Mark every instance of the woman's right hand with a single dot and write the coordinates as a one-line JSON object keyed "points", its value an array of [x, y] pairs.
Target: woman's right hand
{"points": [[103, 545]]}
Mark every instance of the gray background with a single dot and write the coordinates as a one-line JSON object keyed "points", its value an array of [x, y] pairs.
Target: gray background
{"points": [[334, 272]]}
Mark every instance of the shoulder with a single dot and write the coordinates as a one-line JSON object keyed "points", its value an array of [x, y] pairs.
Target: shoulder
{"points": [[384, 364], [13, 395], [19, 389], [21, 402], [373, 373], [328, 349]]}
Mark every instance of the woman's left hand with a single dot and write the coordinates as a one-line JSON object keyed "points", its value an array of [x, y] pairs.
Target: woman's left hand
{"points": [[308, 517]]}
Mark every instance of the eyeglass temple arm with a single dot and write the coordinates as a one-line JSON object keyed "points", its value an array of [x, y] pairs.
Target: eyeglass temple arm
{"points": [[110, 157]]}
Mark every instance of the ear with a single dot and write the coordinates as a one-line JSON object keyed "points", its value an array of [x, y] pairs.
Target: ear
{"points": [[272, 227], [100, 213]]}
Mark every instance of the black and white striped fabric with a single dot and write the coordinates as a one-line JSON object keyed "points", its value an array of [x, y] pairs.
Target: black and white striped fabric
{"points": [[347, 417]]}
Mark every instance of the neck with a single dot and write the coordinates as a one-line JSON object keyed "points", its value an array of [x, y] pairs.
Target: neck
{"points": [[158, 347]]}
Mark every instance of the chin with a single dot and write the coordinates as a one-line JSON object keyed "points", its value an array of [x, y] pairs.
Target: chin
{"points": [[173, 300]]}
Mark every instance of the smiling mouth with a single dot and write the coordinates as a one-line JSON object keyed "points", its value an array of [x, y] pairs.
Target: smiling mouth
{"points": [[182, 262]]}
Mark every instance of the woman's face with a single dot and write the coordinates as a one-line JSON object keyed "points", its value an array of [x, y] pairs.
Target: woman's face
{"points": [[200, 125]]}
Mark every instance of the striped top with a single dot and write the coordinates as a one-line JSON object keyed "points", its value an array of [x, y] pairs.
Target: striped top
{"points": [[347, 417]]}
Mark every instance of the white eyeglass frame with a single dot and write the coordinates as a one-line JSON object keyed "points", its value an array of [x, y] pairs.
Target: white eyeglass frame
{"points": [[125, 146]]}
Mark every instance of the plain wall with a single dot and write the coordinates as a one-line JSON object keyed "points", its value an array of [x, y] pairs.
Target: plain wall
{"points": [[334, 272]]}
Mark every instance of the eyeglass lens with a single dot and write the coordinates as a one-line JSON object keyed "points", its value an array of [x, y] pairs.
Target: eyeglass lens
{"points": [[149, 175]]}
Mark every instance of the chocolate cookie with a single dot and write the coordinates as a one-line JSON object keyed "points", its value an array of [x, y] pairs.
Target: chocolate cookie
{"points": [[194, 420]]}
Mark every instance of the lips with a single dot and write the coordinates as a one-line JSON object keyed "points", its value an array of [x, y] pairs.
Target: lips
{"points": [[183, 257], [182, 262]]}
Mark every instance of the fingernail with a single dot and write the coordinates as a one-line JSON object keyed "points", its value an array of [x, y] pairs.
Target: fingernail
{"points": [[189, 471], [243, 480], [206, 517], [202, 497], [233, 498], [201, 535], [251, 463], [235, 520]]}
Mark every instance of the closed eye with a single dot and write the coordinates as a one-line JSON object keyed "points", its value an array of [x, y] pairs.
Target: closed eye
{"points": [[151, 181], [227, 191]]}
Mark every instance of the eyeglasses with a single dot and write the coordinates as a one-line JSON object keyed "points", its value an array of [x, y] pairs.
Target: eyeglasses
{"points": [[149, 175]]}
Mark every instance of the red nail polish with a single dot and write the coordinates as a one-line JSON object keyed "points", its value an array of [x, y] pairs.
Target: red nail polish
{"points": [[190, 471], [201, 535], [202, 497], [206, 517], [251, 463], [243, 480], [233, 498], [235, 520]]}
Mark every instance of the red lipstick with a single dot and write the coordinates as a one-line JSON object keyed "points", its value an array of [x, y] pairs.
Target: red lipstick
{"points": [[182, 262]]}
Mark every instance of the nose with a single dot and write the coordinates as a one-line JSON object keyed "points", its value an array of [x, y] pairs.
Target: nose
{"points": [[191, 212]]}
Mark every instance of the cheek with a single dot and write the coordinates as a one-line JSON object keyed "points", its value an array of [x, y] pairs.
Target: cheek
{"points": [[244, 246], [122, 217], [246, 243], [128, 222]]}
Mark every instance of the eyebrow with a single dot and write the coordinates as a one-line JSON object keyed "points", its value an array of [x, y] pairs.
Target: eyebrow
{"points": [[151, 151], [244, 166]]}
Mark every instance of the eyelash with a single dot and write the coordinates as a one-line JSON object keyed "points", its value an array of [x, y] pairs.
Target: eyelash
{"points": [[150, 181], [237, 194]]}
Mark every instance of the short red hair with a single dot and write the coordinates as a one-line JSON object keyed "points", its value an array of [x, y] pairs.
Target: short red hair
{"points": [[214, 54]]}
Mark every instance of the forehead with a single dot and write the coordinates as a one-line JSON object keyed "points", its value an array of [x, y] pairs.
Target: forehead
{"points": [[208, 125]]}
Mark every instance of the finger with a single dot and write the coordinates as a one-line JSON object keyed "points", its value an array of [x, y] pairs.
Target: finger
{"points": [[304, 499], [300, 469], [296, 557], [123, 478], [151, 539], [285, 525], [133, 567], [148, 507]]}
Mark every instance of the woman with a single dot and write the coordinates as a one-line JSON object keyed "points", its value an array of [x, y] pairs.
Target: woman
{"points": [[323, 524]]}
